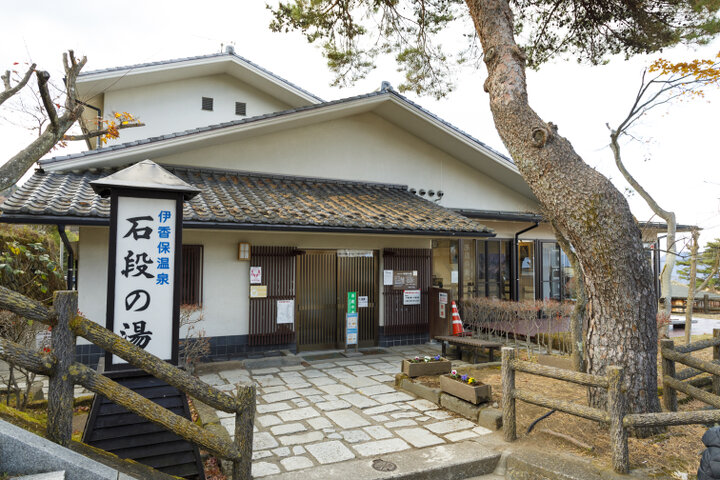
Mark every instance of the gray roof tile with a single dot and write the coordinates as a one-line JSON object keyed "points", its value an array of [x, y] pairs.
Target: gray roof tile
{"points": [[241, 198]]}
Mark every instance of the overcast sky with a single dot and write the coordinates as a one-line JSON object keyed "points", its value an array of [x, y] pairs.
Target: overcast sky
{"points": [[675, 156]]}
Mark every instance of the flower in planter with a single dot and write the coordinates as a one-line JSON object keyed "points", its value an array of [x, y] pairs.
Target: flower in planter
{"points": [[427, 359], [416, 360], [464, 378], [471, 380], [437, 358]]}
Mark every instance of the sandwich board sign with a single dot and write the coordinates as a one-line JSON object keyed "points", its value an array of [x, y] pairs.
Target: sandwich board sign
{"points": [[143, 301]]}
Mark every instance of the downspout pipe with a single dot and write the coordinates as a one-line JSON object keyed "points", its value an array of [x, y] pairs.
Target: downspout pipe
{"points": [[71, 257], [516, 253], [99, 121]]}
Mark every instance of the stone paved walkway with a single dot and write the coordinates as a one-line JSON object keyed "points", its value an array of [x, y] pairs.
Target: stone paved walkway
{"points": [[337, 410]]}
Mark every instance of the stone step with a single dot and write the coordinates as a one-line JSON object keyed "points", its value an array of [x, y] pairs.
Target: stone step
{"points": [[457, 461], [58, 475], [537, 465]]}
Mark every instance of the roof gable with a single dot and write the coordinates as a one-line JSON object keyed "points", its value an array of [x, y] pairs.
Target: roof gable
{"points": [[92, 83], [386, 103]]}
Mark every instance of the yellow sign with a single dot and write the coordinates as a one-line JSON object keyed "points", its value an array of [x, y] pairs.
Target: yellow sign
{"points": [[258, 291]]}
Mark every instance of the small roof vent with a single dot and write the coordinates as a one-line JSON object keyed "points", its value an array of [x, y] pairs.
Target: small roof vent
{"points": [[230, 50], [207, 103]]}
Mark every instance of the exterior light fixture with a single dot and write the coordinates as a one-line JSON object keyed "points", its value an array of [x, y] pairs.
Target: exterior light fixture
{"points": [[243, 251]]}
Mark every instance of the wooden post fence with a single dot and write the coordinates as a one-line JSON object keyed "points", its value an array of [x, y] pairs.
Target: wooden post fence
{"points": [[716, 359], [508, 399], [64, 373], [616, 401], [668, 371], [61, 388]]}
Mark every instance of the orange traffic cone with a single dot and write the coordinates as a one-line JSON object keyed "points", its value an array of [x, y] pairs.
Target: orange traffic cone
{"points": [[456, 322]]}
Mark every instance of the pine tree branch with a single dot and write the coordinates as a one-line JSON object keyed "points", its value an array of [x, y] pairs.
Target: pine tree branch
{"points": [[712, 272]]}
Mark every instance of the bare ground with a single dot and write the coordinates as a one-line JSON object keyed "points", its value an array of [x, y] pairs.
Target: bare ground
{"points": [[666, 455]]}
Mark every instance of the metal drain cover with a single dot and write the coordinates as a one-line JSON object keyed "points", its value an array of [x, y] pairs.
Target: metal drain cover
{"points": [[383, 465]]}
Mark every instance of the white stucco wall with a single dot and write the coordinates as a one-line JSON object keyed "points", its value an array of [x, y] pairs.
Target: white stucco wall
{"points": [[226, 283], [175, 106], [363, 147]]}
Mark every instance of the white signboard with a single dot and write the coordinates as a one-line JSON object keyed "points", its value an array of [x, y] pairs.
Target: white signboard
{"points": [[351, 330], [145, 274], [442, 296], [362, 302], [285, 311], [411, 297], [454, 276], [387, 277], [258, 291], [355, 253], [255, 275]]}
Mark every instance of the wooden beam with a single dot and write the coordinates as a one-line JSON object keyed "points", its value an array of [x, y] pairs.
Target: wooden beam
{"points": [[661, 419], [563, 406], [560, 374], [25, 307], [17, 354]]}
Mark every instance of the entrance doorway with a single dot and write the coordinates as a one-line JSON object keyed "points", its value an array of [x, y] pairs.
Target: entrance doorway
{"points": [[324, 277]]}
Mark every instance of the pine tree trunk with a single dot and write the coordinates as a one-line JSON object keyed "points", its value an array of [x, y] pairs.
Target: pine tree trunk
{"points": [[588, 210]]}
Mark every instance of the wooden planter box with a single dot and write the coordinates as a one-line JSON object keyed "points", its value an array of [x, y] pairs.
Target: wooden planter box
{"points": [[475, 394], [439, 367]]}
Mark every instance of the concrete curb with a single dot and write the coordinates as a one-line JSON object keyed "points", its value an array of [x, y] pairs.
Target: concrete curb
{"points": [[24, 453], [447, 462]]}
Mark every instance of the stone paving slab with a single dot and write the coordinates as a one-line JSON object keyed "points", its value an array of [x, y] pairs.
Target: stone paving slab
{"points": [[335, 411]]}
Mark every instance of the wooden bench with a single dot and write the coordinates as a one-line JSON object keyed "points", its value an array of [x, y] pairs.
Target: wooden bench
{"points": [[475, 343]]}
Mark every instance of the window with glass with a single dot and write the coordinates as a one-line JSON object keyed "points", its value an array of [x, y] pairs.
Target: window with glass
{"points": [[493, 268], [445, 265], [526, 269], [557, 275]]}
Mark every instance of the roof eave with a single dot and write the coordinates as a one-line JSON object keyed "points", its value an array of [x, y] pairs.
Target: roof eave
{"points": [[105, 222]]}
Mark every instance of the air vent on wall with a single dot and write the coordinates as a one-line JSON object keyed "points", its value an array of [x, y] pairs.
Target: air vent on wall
{"points": [[240, 108], [207, 103]]}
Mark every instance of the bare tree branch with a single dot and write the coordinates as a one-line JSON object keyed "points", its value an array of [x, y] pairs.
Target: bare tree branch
{"points": [[42, 81], [100, 133], [9, 90], [14, 168]]}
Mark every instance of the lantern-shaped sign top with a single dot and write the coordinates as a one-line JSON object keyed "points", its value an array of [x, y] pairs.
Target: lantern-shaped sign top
{"points": [[143, 303]]}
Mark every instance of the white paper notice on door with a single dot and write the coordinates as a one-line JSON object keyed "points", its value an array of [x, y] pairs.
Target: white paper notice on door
{"points": [[285, 311], [454, 276], [387, 277]]}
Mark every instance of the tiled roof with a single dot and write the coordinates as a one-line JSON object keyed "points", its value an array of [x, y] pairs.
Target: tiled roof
{"points": [[386, 91], [234, 199], [197, 57]]}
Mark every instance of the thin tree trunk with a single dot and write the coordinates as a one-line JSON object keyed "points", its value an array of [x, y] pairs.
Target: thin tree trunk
{"points": [[690, 301], [669, 217], [587, 209]]}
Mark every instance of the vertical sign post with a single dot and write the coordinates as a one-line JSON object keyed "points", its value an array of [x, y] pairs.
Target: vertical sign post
{"points": [[351, 321], [143, 300]]}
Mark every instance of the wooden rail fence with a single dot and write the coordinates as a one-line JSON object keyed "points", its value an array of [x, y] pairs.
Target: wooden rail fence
{"points": [[64, 373], [684, 381], [615, 416]]}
